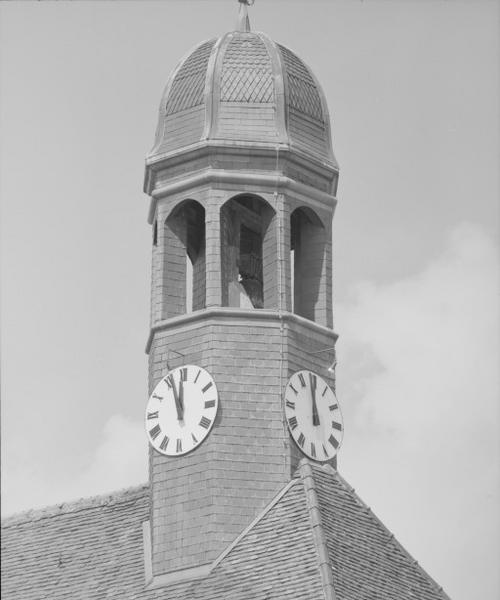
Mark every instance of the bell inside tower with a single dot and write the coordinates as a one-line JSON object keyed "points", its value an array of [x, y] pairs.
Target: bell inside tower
{"points": [[247, 241]]}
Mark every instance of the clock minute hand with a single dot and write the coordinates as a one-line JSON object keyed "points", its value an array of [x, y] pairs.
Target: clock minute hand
{"points": [[181, 396], [315, 415], [178, 405]]}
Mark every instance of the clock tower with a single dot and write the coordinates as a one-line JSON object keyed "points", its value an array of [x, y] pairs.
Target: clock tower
{"points": [[242, 181], [244, 500]]}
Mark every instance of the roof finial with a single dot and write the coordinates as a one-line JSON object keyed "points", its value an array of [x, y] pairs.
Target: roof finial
{"points": [[243, 20]]}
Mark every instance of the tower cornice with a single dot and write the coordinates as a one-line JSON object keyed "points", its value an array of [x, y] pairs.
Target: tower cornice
{"points": [[237, 316], [216, 177], [278, 167], [210, 148]]}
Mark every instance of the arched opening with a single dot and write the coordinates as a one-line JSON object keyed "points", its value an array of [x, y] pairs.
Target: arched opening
{"points": [[307, 257], [248, 253], [184, 260]]}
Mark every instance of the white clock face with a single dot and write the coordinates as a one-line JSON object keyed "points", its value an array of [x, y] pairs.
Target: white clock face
{"points": [[181, 410], [313, 416]]}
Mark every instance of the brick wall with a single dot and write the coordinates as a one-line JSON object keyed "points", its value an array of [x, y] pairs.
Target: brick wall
{"points": [[199, 279], [201, 501], [229, 243], [174, 266]]}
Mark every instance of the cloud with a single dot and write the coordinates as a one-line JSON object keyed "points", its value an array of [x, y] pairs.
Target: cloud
{"points": [[120, 460], [418, 381]]}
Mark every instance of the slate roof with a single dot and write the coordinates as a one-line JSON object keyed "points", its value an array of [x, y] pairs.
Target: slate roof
{"points": [[315, 541]]}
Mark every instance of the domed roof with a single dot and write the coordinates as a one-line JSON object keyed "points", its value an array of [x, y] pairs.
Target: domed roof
{"points": [[243, 88]]}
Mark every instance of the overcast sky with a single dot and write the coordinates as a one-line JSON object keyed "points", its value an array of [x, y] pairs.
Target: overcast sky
{"points": [[413, 94]]}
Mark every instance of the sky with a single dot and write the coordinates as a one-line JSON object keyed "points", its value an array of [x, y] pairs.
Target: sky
{"points": [[413, 93]]}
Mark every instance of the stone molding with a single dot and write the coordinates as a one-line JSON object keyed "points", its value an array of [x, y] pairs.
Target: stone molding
{"points": [[216, 177], [236, 316], [214, 148]]}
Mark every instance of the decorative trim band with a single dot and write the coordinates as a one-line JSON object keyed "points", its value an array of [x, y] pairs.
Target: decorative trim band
{"points": [[155, 162], [222, 176], [236, 315]]}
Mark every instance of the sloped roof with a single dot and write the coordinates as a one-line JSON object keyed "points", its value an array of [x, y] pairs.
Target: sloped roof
{"points": [[316, 541], [88, 549], [367, 561]]}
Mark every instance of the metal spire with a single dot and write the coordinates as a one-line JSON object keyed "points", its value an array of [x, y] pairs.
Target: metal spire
{"points": [[243, 20]]}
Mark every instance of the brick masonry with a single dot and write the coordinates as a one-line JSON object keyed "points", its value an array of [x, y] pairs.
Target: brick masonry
{"points": [[201, 501], [250, 151], [220, 259]]}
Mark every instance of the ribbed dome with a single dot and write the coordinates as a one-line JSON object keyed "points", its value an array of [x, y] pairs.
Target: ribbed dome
{"points": [[243, 87]]}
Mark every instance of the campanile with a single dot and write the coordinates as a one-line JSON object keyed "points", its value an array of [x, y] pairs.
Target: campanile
{"points": [[242, 180], [244, 499]]}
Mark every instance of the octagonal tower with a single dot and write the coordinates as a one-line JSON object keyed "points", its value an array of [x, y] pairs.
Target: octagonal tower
{"points": [[242, 180]]}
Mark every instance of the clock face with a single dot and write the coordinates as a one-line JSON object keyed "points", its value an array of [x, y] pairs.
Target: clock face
{"points": [[313, 415], [181, 410]]}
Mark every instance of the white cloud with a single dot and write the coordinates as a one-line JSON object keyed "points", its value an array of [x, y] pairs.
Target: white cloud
{"points": [[418, 380], [119, 461]]}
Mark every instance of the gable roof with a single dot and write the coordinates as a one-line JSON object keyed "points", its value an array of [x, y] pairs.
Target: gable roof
{"points": [[315, 541], [366, 559], [87, 549]]}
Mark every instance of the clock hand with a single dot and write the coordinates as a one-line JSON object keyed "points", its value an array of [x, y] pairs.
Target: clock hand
{"points": [[181, 396], [178, 405], [315, 415]]}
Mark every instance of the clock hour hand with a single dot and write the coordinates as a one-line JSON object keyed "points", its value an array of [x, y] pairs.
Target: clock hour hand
{"points": [[178, 404], [315, 415], [181, 396]]}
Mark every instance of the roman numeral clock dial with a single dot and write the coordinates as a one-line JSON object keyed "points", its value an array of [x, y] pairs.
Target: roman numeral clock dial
{"points": [[313, 416], [181, 410]]}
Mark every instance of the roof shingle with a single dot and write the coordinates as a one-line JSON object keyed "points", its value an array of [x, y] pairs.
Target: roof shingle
{"points": [[315, 533]]}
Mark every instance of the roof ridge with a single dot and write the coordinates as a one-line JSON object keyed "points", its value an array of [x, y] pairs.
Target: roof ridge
{"points": [[391, 536], [307, 476], [269, 506], [74, 506]]}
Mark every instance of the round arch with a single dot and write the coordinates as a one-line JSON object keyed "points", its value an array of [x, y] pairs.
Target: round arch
{"points": [[184, 264], [307, 262], [248, 252]]}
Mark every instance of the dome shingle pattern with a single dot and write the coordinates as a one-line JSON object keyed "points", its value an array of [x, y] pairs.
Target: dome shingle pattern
{"points": [[246, 72], [189, 82], [303, 91], [214, 94]]}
